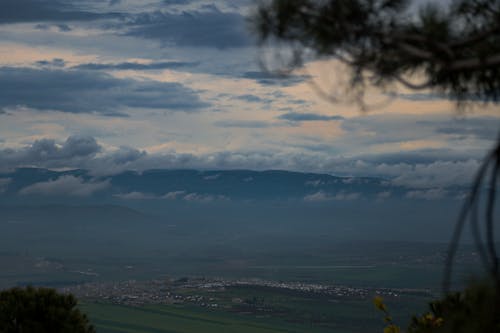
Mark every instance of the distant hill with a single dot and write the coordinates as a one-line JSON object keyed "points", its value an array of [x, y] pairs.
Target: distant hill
{"points": [[72, 226], [77, 186], [192, 208]]}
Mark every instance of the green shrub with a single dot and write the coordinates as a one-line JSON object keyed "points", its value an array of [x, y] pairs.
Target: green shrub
{"points": [[40, 310]]}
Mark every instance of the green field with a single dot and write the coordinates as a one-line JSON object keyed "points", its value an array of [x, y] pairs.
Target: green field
{"points": [[183, 319], [407, 266], [260, 309]]}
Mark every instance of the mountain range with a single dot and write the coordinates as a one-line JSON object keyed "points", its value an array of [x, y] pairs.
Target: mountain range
{"points": [[81, 186]]}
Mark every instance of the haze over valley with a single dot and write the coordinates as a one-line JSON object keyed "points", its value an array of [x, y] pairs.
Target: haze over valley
{"points": [[187, 166]]}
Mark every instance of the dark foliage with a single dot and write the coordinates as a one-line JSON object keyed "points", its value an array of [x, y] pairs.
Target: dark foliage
{"points": [[450, 50], [472, 310], [454, 51], [40, 310]]}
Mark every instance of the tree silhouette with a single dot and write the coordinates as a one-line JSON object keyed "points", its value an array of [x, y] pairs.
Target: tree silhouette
{"points": [[452, 50], [40, 310]]}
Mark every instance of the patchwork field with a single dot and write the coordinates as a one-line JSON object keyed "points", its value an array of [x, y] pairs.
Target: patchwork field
{"points": [[180, 319], [252, 309]]}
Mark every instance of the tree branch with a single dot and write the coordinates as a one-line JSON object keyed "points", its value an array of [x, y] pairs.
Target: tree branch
{"points": [[474, 63], [474, 39], [414, 86], [416, 52]]}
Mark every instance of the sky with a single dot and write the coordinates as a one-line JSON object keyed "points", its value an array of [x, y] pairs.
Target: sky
{"points": [[133, 85]]}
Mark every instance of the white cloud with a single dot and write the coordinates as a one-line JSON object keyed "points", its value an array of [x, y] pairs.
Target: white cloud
{"points": [[321, 196], [212, 177], [204, 197], [318, 197], [174, 195], [314, 183], [417, 171], [438, 174], [228, 79], [431, 194], [134, 196], [65, 185]]}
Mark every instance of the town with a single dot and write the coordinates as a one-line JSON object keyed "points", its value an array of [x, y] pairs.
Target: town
{"points": [[209, 292]]}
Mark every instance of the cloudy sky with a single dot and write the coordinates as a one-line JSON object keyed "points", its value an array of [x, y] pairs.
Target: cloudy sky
{"points": [[122, 84]]}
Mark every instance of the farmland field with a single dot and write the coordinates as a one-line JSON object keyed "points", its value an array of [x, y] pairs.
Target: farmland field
{"points": [[252, 309]]}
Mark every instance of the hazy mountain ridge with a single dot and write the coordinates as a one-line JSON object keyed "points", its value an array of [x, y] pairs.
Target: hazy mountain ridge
{"points": [[193, 185], [160, 209]]}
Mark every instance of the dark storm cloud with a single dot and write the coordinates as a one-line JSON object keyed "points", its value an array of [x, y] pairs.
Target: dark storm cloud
{"points": [[82, 152], [15, 11], [126, 155], [56, 62], [295, 116], [177, 2], [79, 146], [46, 152], [243, 124], [85, 153], [464, 132], [267, 78], [277, 94], [252, 98], [63, 27], [406, 128], [137, 66], [78, 91], [60, 26], [483, 128], [194, 29]]}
